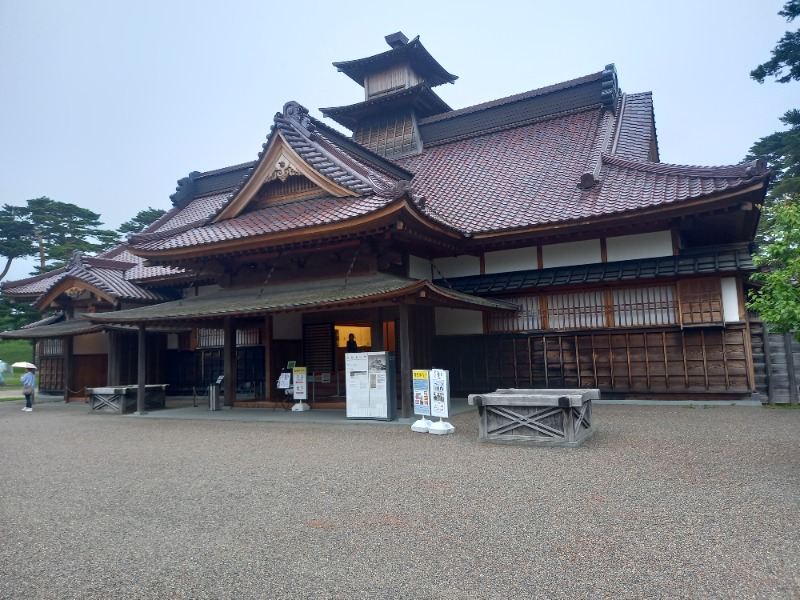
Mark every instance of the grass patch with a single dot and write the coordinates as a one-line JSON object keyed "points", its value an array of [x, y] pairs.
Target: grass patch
{"points": [[12, 351], [12, 399]]}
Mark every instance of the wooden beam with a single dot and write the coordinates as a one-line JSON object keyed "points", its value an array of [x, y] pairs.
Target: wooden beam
{"points": [[68, 366], [141, 378], [376, 330], [269, 376], [229, 361], [405, 363]]}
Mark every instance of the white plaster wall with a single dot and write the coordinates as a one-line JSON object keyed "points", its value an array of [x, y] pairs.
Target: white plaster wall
{"points": [[458, 321], [571, 253], [519, 259], [419, 268], [287, 326], [172, 341], [91, 343], [730, 299], [201, 290], [641, 245], [458, 266]]}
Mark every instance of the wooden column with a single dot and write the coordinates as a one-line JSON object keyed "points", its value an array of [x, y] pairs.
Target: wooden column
{"points": [[269, 376], [113, 373], [229, 360], [790, 368], [141, 378], [67, 377], [376, 330], [406, 407]]}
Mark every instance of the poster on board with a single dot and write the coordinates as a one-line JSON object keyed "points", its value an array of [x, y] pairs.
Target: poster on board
{"points": [[300, 388], [421, 392], [440, 393], [370, 385]]}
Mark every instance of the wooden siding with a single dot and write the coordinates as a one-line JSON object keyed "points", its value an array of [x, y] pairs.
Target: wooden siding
{"points": [[50, 360], [776, 359], [390, 135], [631, 363]]}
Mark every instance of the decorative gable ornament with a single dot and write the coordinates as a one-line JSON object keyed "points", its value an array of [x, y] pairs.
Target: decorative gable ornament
{"points": [[282, 169]]}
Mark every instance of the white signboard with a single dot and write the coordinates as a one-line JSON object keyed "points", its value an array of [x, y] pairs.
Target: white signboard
{"points": [[357, 378], [440, 393], [370, 385], [285, 381], [300, 387]]}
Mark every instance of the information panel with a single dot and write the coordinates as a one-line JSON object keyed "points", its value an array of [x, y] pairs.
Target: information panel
{"points": [[440, 393], [300, 387], [370, 385], [422, 393]]}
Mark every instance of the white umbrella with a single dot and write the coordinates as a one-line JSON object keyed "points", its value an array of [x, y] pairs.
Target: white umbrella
{"points": [[24, 365]]}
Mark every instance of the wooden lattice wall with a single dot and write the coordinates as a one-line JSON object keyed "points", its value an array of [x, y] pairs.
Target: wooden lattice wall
{"points": [[669, 362]]}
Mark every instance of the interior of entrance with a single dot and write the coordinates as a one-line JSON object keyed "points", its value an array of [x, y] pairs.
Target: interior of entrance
{"points": [[362, 333]]}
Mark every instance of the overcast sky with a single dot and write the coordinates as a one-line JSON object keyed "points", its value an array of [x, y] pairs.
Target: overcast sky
{"points": [[107, 103]]}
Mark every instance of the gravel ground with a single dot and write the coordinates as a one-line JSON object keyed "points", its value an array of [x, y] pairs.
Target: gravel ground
{"points": [[662, 502]]}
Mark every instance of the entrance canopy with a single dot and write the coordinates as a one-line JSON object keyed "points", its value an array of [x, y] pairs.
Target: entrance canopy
{"points": [[303, 296]]}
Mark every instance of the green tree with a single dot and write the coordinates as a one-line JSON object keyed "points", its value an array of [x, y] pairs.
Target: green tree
{"points": [[14, 314], [141, 220], [59, 229], [782, 149], [16, 237], [777, 299], [782, 152], [786, 54]]}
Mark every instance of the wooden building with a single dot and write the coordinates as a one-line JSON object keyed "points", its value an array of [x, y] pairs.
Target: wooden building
{"points": [[531, 241]]}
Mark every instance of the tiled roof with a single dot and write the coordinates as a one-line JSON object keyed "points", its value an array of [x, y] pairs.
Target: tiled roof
{"points": [[106, 272], [272, 219], [48, 320], [320, 151], [138, 272], [636, 136], [77, 326], [514, 178], [508, 179], [108, 280], [32, 286], [296, 296], [420, 97], [368, 176], [527, 176]]}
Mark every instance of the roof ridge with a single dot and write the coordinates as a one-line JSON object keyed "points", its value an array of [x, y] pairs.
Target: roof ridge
{"points": [[514, 125], [556, 87], [33, 278], [751, 169]]}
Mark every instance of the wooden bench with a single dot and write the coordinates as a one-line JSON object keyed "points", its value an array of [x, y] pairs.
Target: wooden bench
{"points": [[560, 417], [123, 398]]}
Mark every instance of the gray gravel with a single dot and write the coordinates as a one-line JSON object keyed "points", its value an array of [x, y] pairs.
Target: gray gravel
{"points": [[662, 502]]}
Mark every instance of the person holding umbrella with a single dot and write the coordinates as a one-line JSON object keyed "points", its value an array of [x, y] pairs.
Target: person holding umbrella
{"points": [[28, 384]]}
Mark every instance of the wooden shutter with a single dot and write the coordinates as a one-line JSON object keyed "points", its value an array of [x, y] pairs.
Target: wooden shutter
{"points": [[700, 301]]}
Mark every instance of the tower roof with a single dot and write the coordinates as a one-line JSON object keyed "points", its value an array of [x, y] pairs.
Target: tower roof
{"points": [[413, 53]]}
